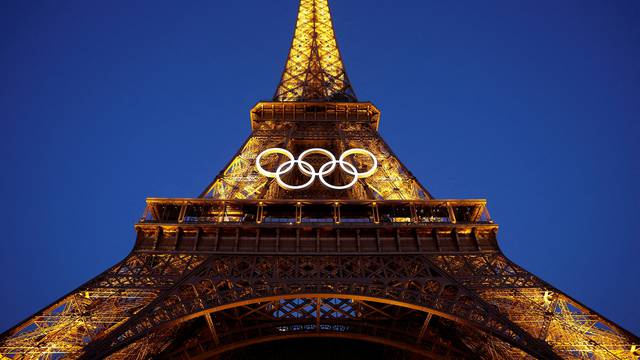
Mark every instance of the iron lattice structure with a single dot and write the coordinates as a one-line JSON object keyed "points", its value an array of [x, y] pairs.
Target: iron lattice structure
{"points": [[314, 69], [248, 263]]}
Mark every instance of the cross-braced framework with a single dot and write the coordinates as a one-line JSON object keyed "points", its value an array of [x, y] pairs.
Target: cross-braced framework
{"points": [[65, 327], [204, 281], [314, 70], [336, 126], [293, 294], [569, 327], [250, 263]]}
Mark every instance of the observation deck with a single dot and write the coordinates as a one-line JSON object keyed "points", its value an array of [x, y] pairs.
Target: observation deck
{"points": [[301, 111], [315, 226]]}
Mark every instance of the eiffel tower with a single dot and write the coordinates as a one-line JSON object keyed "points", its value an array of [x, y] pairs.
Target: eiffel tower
{"points": [[316, 239]]}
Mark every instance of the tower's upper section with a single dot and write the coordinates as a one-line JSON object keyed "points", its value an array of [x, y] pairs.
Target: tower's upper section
{"points": [[314, 69]]}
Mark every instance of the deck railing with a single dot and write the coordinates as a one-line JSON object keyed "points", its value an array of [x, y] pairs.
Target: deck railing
{"points": [[207, 211]]}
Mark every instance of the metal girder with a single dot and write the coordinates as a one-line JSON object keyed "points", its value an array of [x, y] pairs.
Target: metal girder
{"points": [[314, 69], [283, 319], [572, 329], [241, 180], [211, 275], [95, 308], [224, 282]]}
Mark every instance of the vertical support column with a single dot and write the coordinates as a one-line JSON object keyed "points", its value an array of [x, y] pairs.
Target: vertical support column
{"points": [[474, 237], [452, 215], [223, 212], [436, 239], [414, 213], [139, 236], [260, 213], [157, 238], [418, 240], [177, 238], [197, 239], [183, 211], [456, 239], [298, 212], [375, 213]]}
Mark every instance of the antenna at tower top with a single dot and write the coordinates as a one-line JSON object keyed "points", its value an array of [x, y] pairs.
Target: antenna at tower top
{"points": [[314, 70]]}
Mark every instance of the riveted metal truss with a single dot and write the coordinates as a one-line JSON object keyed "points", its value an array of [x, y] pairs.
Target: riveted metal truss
{"points": [[572, 329], [411, 282], [65, 327], [314, 70], [239, 179], [297, 126], [392, 181], [425, 335], [248, 262], [434, 304]]}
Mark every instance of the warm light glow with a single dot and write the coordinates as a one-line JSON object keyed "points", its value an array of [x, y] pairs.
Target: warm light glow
{"points": [[314, 68]]}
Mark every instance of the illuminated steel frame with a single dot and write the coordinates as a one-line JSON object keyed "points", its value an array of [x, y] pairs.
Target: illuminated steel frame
{"points": [[250, 262]]}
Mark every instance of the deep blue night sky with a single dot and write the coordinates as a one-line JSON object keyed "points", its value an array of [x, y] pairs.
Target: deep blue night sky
{"points": [[533, 105]]}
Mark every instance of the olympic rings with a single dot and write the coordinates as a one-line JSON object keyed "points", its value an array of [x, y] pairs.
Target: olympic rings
{"points": [[307, 169]]}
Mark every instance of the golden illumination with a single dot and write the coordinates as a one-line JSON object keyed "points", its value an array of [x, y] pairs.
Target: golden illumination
{"points": [[314, 68], [458, 270]]}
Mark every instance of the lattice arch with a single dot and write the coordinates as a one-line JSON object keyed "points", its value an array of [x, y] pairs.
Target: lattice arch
{"points": [[292, 287], [391, 323]]}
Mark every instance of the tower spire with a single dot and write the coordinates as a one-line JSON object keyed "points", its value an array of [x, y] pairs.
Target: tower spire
{"points": [[314, 70]]}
